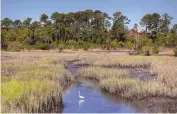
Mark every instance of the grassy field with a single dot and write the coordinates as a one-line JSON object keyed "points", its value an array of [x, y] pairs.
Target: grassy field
{"points": [[34, 81]]}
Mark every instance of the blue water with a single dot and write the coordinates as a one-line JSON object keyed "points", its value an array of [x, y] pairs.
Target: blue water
{"points": [[94, 101]]}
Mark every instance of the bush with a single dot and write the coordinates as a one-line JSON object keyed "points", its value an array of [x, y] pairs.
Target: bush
{"points": [[54, 45], [70, 43], [80, 44], [155, 49], [15, 46], [121, 44], [175, 51], [61, 47], [146, 50], [75, 45], [114, 44], [43, 46], [86, 46], [29, 47], [95, 46], [143, 45]]}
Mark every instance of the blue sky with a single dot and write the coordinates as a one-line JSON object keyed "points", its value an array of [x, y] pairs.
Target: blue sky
{"points": [[133, 9]]}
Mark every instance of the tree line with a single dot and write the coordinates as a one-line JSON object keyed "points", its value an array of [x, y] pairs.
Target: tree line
{"points": [[85, 29]]}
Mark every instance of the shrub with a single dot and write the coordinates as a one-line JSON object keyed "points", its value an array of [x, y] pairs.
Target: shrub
{"points": [[76, 46], [69, 44], [43, 46], [95, 46], [121, 44], [114, 44], [146, 50], [155, 49], [53, 45], [61, 47], [86, 46], [143, 45], [15, 46], [129, 44], [175, 51], [80, 43], [108, 47]]}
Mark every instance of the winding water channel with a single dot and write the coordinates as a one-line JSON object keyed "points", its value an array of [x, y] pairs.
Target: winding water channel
{"points": [[95, 100]]}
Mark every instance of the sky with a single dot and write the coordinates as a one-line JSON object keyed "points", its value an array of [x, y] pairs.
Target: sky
{"points": [[133, 9]]}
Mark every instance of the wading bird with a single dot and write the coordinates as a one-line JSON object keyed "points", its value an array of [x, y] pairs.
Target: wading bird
{"points": [[81, 97]]}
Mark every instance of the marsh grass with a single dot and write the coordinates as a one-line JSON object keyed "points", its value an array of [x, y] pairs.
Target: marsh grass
{"points": [[30, 96], [126, 62], [163, 84], [134, 89], [108, 69], [98, 73], [33, 86]]}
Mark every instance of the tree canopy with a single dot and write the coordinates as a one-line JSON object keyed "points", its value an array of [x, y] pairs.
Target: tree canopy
{"points": [[84, 27]]}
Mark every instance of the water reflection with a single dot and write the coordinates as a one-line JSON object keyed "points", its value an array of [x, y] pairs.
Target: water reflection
{"points": [[81, 103], [94, 101]]}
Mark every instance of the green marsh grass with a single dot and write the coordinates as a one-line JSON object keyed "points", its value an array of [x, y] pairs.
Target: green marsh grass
{"points": [[33, 86], [30, 96]]}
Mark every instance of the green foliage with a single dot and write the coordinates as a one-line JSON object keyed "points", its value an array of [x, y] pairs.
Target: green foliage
{"points": [[92, 46], [15, 46], [114, 44], [54, 45], [86, 46], [143, 45], [155, 49], [171, 39], [72, 44], [161, 40], [175, 51], [146, 50], [129, 44], [43, 46], [119, 28], [61, 46], [94, 27], [121, 44], [75, 45], [43, 18]]}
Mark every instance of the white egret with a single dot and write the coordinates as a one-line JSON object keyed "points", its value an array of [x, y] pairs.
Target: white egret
{"points": [[81, 97]]}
